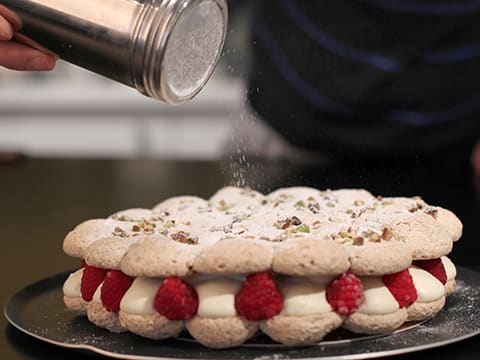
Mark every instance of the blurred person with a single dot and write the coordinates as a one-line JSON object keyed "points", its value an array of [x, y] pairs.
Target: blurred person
{"points": [[17, 56], [366, 80]]}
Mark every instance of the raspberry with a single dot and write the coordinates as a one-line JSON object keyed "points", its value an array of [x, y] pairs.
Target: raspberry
{"points": [[259, 297], [92, 277], [83, 263], [401, 286], [434, 267], [176, 300], [114, 287], [345, 294]]}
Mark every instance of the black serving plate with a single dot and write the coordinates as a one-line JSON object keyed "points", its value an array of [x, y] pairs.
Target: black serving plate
{"points": [[38, 310]]}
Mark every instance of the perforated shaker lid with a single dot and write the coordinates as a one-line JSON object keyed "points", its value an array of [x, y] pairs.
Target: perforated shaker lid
{"points": [[193, 49]]}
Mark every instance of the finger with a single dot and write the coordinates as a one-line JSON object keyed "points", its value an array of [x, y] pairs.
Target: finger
{"points": [[6, 30], [20, 57], [25, 40], [11, 17]]}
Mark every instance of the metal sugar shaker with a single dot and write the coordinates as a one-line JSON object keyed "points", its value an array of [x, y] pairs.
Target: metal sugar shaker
{"points": [[166, 49]]}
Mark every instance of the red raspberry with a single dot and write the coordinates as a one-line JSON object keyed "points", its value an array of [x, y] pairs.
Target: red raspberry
{"points": [[345, 294], [401, 286], [114, 287], [92, 277], [259, 297], [434, 267], [83, 263], [176, 300]]}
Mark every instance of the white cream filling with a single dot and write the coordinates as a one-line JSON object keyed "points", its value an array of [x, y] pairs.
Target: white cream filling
{"points": [[73, 285], [97, 296], [378, 299], [216, 298], [303, 297], [428, 287], [140, 296], [450, 268]]}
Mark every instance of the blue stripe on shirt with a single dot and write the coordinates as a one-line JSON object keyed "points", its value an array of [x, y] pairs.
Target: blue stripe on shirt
{"points": [[373, 59], [370, 58], [451, 55], [407, 117], [416, 118], [452, 8], [290, 75]]}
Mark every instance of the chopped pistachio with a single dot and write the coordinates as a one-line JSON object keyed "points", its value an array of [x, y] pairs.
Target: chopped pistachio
{"points": [[418, 206], [118, 231], [314, 207], [330, 204], [285, 224], [148, 231], [359, 202], [300, 204], [358, 241], [387, 202], [223, 206], [342, 240], [374, 237], [122, 218], [304, 228], [170, 224], [184, 238], [216, 228], [291, 231], [387, 233], [295, 221], [432, 212], [264, 202]]}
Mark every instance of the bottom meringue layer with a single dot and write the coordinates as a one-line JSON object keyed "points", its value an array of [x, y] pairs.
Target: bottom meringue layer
{"points": [[304, 302]]}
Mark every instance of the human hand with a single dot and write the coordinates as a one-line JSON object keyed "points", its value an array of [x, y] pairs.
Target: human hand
{"points": [[17, 56]]}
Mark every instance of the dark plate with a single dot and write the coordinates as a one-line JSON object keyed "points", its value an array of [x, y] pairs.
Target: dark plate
{"points": [[38, 311]]}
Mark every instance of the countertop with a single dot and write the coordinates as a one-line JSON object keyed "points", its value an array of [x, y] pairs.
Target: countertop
{"points": [[42, 199]]}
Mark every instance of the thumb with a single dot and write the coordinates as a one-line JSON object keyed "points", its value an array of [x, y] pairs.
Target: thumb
{"points": [[6, 30]]}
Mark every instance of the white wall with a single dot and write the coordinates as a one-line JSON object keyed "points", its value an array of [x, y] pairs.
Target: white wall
{"points": [[74, 113]]}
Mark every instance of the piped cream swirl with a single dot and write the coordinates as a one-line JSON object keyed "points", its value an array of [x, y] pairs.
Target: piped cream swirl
{"points": [[73, 285]]}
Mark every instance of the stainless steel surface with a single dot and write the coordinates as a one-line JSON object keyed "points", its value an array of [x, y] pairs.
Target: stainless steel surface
{"points": [[166, 49], [38, 311]]}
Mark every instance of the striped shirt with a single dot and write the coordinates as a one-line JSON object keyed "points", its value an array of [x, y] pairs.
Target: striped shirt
{"points": [[386, 77]]}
